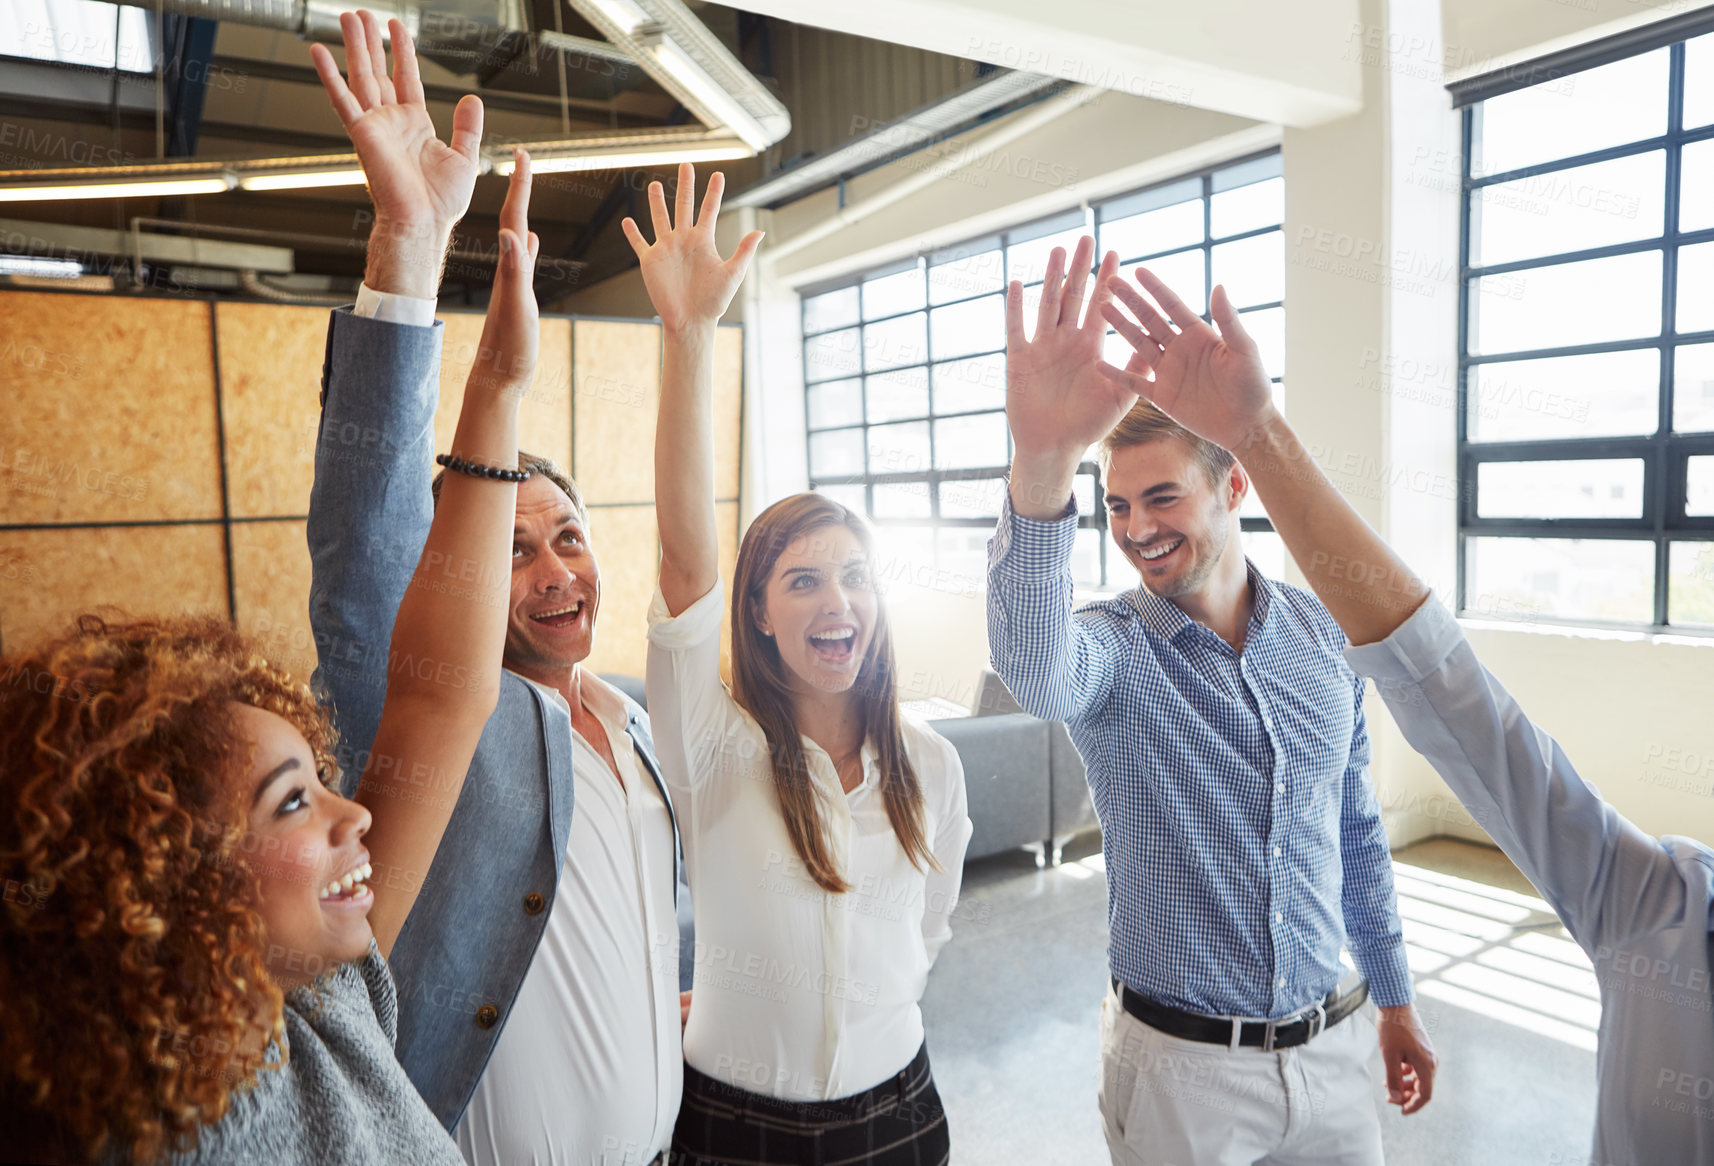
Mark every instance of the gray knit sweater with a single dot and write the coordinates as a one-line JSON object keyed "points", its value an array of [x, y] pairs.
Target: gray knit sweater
{"points": [[341, 1096]]}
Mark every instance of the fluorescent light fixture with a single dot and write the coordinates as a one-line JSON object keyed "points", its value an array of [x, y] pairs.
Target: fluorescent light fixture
{"points": [[627, 14], [302, 179], [713, 97], [146, 188], [28, 265], [639, 156]]}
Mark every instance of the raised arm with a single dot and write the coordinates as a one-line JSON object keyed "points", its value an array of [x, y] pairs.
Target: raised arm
{"points": [[1608, 880], [444, 676], [1057, 406], [691, 287], [369, 508]]}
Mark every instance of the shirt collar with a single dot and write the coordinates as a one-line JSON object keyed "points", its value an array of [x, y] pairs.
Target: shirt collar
{"points": [[1167, 620], [607, 703], [869, 755]]}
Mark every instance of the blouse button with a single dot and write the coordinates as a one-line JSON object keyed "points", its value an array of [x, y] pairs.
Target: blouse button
{"points": [[487, 1016], [533, 903]]}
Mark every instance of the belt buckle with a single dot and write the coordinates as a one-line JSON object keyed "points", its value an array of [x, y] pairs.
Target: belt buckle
{"points": [[1317, 1021], [1268, 1036]]}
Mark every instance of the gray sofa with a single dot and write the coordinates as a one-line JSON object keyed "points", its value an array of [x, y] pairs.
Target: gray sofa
{"points": [[1023, 777]]}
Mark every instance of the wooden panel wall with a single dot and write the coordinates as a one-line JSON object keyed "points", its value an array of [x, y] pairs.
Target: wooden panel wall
{"points": [[116, 490]]}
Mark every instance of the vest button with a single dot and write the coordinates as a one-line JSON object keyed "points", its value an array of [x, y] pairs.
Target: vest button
{"points": [[533, 903], [487, 1016]]}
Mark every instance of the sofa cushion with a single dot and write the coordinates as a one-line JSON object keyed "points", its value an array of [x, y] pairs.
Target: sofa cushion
{"points": [[1007, 778]]}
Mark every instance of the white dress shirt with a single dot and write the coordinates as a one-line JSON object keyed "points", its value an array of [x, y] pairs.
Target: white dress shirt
{"points": [[798, 994], [1641, 907], [590, 1069]]}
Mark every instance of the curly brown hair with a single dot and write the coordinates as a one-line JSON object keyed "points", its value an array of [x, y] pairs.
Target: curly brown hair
{"points": [[134, 980]]}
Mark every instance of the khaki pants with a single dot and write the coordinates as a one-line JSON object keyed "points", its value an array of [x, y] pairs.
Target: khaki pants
{"points": [[1171, 1102]]}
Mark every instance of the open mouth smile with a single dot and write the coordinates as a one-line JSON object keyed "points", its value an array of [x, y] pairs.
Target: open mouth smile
{"points": [[834, 645], [1159, 551], [351, 887], [559, 617]]}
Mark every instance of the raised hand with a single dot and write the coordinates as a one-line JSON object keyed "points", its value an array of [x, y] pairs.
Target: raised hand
{"points": [[420, 185], [506, 358], [1212, 383], [688, 282], [1057, 405]]}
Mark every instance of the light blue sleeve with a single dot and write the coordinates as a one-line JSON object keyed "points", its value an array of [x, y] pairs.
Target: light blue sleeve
{"points": [[1608, 880]]}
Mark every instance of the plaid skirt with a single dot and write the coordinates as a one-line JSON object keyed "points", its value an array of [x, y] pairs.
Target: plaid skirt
{"points": [[899, 1122]]}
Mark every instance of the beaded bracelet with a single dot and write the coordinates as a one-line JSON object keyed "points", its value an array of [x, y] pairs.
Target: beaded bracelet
{"points": [[460, 466]]}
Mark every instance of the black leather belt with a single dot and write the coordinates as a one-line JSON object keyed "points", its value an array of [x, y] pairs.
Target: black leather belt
{"points": [[1266, 1035]]}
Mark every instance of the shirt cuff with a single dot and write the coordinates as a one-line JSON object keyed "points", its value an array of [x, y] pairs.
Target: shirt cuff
{"points": [[1388, 973], [1417, 647], [394, 309], [1028, 548], [690, 627]]}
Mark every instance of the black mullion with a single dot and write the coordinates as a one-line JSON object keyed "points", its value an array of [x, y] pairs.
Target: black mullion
{"points": [[1207, 245], [1660, 499], [928, 391], [1666, 238], [1629, 344], [1464, 476], [1607, 154], [1569, 449]]}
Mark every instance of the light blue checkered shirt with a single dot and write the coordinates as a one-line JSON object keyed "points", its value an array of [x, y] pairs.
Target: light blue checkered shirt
{"points": [[1242, 839]]}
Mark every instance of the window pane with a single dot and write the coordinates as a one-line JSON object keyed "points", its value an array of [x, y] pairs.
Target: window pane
{"points": [[1690, 584], [836, 454], [830, 357], [1603, 395], [835, 403], [898, 449], [1621, 102], [1083, 491], [1699, 81], [966, 386], [848, 496], [1179, 225], [901, 500], [968, 275], [967, 442], [900, 292], [1115, 349], [1267, 329], [78, 32], [963, 565], [1086, 557], [1693, 388], [1260, 204], [895, 395], [1696, 186], [1699, 486], [974, 326], [1565, 489], [979, 498], [1544, 578], [1569, 210], [1696, 288], [1184, 273], [835, 309], [1267, 550], [1028, 261], [903, 554], [901, 340], [1549, 307], [1253, 269]]}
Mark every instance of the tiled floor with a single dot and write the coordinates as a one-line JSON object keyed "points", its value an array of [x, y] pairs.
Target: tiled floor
{"points": [[1508, 999]]}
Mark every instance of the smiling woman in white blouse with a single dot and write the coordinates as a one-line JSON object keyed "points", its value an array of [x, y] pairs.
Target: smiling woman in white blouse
{"points": [[824, 833]]}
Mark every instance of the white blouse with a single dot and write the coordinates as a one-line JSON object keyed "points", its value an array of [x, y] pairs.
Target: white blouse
{"points": [[798, 994]]}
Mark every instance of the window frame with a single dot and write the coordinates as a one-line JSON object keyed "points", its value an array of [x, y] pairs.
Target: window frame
{"points": [[1003, 240], [1663, 452]]}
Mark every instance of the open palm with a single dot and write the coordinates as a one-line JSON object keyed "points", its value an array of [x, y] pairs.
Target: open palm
{"points": [[414, 177], [688, 282], [1214, 384], [1056, 400]]}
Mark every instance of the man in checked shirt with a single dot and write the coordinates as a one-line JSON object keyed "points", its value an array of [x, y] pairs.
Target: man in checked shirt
{"points": [[1226, 751]]}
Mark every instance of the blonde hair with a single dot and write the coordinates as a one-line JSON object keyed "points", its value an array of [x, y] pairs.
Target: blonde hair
{"points": [[1145, 423]]}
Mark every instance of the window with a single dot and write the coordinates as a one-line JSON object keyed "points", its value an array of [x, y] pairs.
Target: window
{"points": [[1586, 354], [905, 366], [78, 32]]}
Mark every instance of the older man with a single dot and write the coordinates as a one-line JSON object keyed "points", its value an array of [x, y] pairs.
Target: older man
{"points": [[538, 976]]}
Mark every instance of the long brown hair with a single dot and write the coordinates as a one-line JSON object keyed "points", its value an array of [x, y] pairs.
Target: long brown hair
{"points": [[134, 969], [761, 684]]}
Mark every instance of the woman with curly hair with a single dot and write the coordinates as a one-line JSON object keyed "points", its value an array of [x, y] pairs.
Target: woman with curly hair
{"points": [[196, 923]]}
